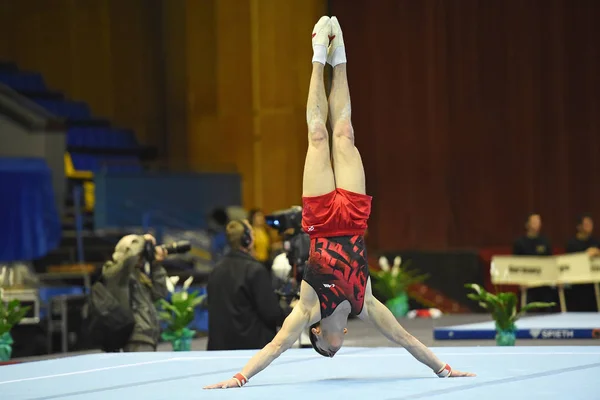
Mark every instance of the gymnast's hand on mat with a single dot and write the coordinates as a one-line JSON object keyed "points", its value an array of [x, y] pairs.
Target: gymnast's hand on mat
{"points": [[229, 383], [460, 374]]}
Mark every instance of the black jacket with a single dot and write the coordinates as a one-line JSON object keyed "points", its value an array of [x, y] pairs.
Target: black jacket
{"points": [[243, 310], [532, 246]]}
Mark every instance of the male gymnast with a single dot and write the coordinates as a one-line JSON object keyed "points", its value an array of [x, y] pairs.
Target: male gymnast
{"points": [[335, 211]]}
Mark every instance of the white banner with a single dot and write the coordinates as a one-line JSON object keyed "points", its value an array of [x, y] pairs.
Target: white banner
{"points": [[595, 269], [542, 271], [523, 270], [574, 268]]}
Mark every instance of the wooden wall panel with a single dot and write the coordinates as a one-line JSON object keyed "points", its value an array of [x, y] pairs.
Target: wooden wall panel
{"points": [[282, 53], [217, 85], [247, 66], [175, 79], [471, 114], [106, 53], [138, 69]]}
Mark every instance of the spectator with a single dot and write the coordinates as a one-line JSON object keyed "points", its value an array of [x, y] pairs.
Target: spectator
{"points": [[533, 243], [243, 310], [262, 239], [582, 297]]}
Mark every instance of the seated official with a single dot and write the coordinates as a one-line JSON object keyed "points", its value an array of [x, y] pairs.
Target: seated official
{"points": [[134, 287], [243, 310], [583, 240], [533, 243], [582, 297]]}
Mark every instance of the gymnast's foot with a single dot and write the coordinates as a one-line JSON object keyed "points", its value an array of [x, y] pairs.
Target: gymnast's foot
{"points": [[336, 53], [320, 40]]}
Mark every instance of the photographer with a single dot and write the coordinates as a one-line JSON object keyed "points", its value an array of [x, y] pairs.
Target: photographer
{"points": [[243, 310], [137, 280]]}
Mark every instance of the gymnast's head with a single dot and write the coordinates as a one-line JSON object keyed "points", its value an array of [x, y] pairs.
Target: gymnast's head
{"points": [[327, 336]]}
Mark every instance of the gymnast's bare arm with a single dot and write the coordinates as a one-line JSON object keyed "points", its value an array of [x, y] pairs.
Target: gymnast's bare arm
{"points": [[380, 316], [293, 326]]}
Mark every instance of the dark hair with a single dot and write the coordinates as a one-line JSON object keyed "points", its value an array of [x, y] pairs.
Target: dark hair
{"points": [[582, 217], [219, 216], [252, 213], [313, 340]]}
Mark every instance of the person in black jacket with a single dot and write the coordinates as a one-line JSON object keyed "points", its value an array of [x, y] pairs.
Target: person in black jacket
{"points": [[582, 297], [534, 243], [243, 310]]}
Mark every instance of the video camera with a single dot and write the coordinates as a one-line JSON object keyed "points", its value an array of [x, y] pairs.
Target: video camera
{"points": [[286, 220], [296, 243], [180, 247]]}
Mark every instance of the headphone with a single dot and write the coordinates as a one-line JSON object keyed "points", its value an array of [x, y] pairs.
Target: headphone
{"points": [[246, 238]]}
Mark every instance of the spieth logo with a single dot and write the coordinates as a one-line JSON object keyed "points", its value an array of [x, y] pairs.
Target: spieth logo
{"points": [[551, 334]]}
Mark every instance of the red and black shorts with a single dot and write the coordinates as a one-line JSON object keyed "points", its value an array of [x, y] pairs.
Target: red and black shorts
{"points": [[337, 267]]}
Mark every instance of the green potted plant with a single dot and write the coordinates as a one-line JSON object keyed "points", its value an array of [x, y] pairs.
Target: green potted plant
{"points": [[503, 308], [393, 283], [11, 314], [178, 313]]}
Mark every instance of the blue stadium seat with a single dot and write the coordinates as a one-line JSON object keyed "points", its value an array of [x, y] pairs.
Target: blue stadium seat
{"points": [[97, 163], [101, 138], [75, 110], [24, 82], [85, 162], [122, 139]]}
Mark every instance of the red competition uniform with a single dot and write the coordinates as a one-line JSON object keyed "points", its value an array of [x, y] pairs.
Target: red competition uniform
{"points": [[337, 266]]}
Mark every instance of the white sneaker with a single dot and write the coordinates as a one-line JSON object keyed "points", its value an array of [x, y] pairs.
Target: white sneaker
{"points": [[336, 54]]}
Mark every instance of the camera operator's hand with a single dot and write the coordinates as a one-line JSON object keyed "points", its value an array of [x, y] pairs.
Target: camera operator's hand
{"points": [[150, 238], [160, 253]]}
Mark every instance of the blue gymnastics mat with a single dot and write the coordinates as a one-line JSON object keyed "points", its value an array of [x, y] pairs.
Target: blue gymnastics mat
{"points": [[571, 325], [354, 373]]}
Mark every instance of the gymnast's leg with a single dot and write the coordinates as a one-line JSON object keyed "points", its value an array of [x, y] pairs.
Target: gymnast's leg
{"points": [[318, 173], [347, 162]]}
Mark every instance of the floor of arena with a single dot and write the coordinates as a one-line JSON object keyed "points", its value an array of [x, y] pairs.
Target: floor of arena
{"points": [[355, 373], [532, 369]]}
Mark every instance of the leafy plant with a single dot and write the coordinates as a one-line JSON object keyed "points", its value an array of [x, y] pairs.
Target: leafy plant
{"points": [[502, 306], [11, 314], [179, 312], [394, 281]]}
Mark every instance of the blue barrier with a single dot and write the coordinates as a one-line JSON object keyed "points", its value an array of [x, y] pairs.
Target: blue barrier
{"points": [[123, 199], [200, 322], [29, 221], [77, 198], [46, 293]]}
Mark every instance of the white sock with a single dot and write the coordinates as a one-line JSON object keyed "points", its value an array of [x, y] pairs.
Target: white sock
{"points": [[338, 56], [319, 54]]}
